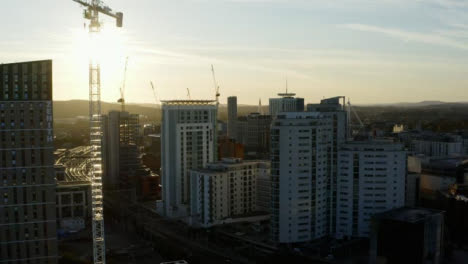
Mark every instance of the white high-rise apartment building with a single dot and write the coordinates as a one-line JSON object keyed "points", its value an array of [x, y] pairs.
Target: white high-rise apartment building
{"points": [[300, 175], [224, 191], [188, 141], [371, 179], [438, 146], [333, 108]]}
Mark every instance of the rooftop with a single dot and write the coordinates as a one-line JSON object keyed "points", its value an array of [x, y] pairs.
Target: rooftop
{"points": [[20, 62], [378, 141], [287, 94], [372, 145], [188, 102], [254, 115], [449, 161], [408, 214], [227, 163], [74, 163], [449, 166], [299, 115]]}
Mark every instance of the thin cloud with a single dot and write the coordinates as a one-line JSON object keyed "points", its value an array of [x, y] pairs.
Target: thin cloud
{"points": [[211, 59], [452, 3], [426, 38]]}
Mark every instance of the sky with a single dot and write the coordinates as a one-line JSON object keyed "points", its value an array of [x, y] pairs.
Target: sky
{"points": [[372, 51]]}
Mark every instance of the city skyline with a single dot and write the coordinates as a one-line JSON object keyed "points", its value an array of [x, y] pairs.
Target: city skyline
{"points": [[134, 131], [322, 49]]}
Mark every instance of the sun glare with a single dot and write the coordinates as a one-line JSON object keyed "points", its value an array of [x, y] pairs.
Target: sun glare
{"points": [[106, 48]]}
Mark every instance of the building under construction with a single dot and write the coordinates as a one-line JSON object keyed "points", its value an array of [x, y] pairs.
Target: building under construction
{"points": [[120, 150]]}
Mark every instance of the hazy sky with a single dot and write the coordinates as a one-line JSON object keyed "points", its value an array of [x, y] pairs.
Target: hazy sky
{"points": [[373, 51]]}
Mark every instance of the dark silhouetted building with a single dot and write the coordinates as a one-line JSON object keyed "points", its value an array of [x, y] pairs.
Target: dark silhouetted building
{"points": [[438, 174], [454, 202], [232, 117], [27, 188], [120, 151], [253, 131], [229, 148], [407, 235]]}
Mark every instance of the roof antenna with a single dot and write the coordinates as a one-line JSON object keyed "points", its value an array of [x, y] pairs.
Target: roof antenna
{"points": [[260, 111], [286, 84]]}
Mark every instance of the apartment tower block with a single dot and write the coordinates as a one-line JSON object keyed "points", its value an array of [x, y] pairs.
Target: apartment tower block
{"points": [[27, 187], [188, 141]]}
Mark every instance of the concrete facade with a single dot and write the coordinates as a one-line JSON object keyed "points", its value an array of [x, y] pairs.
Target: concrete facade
{"points": [[232, 117], [371, 179], [228, 189], [334, 109], [438, 147], [188, 141], [300, 175]]}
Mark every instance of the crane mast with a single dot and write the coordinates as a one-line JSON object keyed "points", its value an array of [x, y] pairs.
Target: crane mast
{"points": [[188, 94], [92, 10], [351, 109], [216, 97], [154, 93], [122, 89], [216, 87]]}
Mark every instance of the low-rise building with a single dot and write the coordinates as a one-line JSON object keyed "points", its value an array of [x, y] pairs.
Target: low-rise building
{"points": [[229, 148], [226, 191], [432, 144], [454, 202], [439, 174], [73, 204], [73, 191]]}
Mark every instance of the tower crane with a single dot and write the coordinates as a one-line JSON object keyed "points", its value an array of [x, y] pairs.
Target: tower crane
{"points": [[216, 87], [351, 109], [122, 89], [91, 12], [260, 110], [217, 99], [154, 92]]}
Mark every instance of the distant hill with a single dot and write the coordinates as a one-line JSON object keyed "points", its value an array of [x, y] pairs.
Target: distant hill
{"points": [[419, 104], [436, 116], [427, 113], [74, 108]]}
